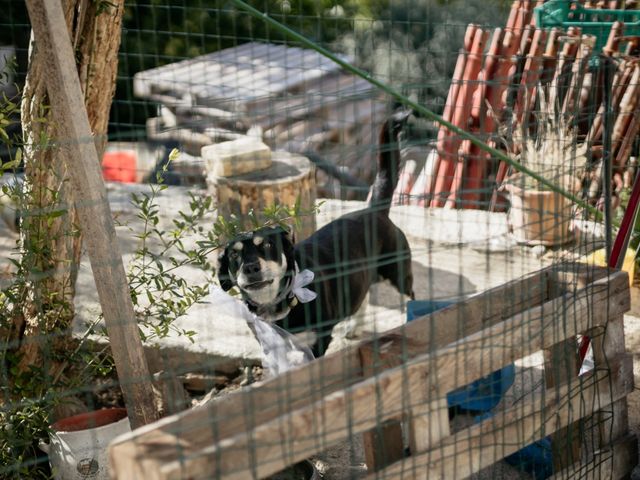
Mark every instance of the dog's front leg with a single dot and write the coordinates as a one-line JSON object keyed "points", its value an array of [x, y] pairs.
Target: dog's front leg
{"points": [[308, 338], [355, 323]]}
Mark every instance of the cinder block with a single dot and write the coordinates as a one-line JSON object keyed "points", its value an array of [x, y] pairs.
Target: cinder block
{"points": [[236, 157]]}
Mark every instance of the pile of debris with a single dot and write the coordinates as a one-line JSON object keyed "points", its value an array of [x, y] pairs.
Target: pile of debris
{"points": [[291, 98]]}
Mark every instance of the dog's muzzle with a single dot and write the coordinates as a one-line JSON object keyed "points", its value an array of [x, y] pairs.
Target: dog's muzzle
{"points": [[257, 285]]}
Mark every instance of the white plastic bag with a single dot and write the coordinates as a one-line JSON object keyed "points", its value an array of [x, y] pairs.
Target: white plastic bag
{"points": [[280, 349]]}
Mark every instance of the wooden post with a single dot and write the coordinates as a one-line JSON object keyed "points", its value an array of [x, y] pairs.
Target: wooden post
{"points": [[52, 36], [614, 425], [427, 423], [383, 445], [561, 366]]}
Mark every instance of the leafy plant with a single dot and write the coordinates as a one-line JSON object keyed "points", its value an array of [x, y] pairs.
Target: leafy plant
{"points": [[25, 404], [159, 294], [21, 425]]}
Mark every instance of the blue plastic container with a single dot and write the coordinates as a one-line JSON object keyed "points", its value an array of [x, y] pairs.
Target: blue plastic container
{"points": [[483, 394]]}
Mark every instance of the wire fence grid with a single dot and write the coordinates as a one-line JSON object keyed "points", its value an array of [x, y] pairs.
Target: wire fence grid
{"points": [[492, 347]]}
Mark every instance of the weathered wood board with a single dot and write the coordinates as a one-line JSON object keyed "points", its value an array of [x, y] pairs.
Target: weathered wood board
{"points": [[287, 419]]}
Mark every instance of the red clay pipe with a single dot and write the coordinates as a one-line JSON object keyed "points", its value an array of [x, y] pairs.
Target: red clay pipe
{"points": [[550, 57], [458, 174], [447, 114], [566, 58], [460, 118], [477, 119], [512, 19], [523, 17], [488, 72], [621, 79], [443, 144], [469, 35], [530, 75], [613, 41], [626, 145], [628, 105], [495, 93], [578, 70]]}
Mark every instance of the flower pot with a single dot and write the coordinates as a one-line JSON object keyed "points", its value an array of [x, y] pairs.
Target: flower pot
{"points": [[78, 444], [539, 217]]}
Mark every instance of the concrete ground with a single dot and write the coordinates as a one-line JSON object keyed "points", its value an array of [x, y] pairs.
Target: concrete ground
{"points": [[455, 254]]}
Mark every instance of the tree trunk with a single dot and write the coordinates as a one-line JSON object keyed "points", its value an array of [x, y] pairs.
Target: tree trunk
{"points": [[50, 237]]}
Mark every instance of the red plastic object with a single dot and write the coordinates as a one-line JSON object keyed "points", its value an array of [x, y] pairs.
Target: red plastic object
{"points": [[119, 166], [95, 419]]}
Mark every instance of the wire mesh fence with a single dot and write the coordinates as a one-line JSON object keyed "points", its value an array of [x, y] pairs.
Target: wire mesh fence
{"points": [[359, 239]]}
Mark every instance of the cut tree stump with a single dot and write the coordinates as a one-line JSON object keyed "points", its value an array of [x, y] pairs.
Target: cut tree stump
{"points": [[290, 177]]}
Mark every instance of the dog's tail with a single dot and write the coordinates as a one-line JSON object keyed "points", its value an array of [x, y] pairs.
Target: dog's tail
{"points": [[388, 161]]}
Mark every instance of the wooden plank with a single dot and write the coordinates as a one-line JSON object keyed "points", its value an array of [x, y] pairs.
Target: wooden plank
{"points": [[274, 74], [483, 444], [561, 365], [167, 77], [271, 112], [615, 462], [52, 36], [574, 276], [272, 445], [613, 424], [329, 88], [382, 445], [475, 313], [428, 425]]}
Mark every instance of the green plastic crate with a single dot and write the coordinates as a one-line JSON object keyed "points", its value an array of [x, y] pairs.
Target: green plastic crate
{"points": [[567, 13]]}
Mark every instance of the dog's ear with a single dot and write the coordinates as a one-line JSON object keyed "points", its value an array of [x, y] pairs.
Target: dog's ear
{"points": [[290, 235], [285, 233], [288, 241], [223, 271]]}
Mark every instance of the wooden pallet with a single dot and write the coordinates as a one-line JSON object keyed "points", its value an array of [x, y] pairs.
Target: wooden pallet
{"points": [[400, 381], [253, 84]]}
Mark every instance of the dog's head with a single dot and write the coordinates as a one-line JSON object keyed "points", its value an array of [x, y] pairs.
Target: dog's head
{"points": [[260, 263]]}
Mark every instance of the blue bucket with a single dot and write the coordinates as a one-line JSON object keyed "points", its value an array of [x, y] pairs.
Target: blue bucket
{"points": [[483, 394]]}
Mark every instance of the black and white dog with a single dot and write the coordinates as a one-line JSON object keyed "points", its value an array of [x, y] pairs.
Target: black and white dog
{"points": [[346, 257]]}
